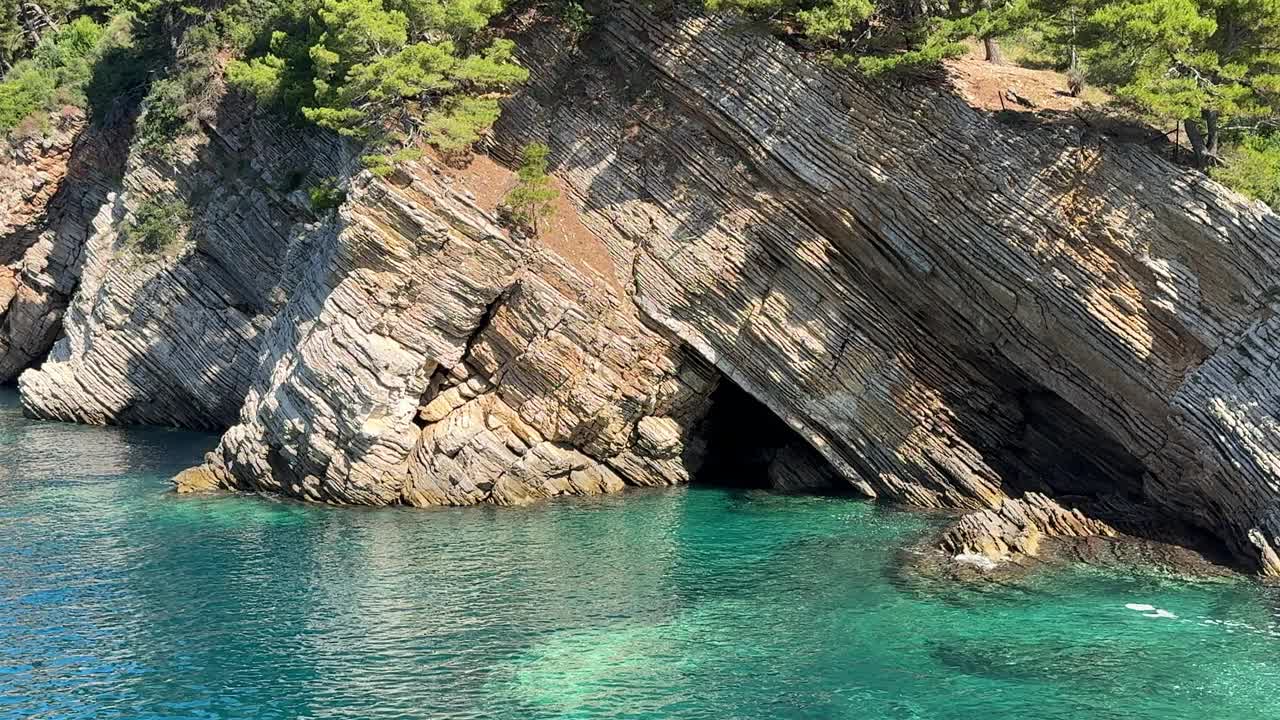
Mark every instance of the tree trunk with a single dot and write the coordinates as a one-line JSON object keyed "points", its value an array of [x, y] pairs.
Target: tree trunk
{"points": [[1204, 142], [993, 51], [989, 43], [1196, 139], [1211, 133]]}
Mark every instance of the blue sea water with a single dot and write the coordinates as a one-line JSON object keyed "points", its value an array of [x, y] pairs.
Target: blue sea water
{"points": [[121, 600]]}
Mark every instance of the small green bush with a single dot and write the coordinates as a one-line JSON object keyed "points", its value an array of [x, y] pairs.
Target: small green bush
{"points": [[533, 197], [1253, 168], [575, 17], [165, 117], [157, 228], [383, 164], [326, 196], [57, 71]]}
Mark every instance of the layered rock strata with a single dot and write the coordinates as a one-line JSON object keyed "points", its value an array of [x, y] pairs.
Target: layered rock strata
{"points": [[52, 183], [173, 337], [431, 358], [1016, 528], [952, 311]]}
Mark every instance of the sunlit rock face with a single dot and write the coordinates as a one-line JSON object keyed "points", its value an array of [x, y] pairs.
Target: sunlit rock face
{"points": [[431, 358]]}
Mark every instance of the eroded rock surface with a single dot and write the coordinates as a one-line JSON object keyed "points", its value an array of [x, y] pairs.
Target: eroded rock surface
{"points": [[950, 312], [1016, 528], [174, 337], [51, 186], [431, 358]]}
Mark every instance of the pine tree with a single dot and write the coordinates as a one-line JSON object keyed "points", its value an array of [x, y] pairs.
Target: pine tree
{"points": [[386, 71], [1203, 62], [533, 196]]}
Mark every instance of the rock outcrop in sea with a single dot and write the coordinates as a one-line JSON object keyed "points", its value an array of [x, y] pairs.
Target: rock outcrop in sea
{"points": [[1062, 333]]}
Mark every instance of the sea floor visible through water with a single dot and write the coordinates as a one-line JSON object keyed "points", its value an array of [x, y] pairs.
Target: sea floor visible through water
{"points": [[121, 600]]}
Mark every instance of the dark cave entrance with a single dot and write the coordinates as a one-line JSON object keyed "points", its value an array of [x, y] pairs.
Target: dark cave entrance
{"points": [[1048, 446], [747, 446]]}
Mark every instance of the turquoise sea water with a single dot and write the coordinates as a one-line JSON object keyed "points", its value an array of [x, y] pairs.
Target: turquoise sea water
{"points": [[119, 600]]}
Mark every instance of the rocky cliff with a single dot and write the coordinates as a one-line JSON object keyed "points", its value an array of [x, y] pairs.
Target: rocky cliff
{"points": [[52, 183], [944, 310], [173, 337], [951, 310]]}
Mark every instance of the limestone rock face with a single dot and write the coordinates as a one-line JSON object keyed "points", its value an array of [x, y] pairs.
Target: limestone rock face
{"points": [[951, 310], [195, 480], [1016, 527], [173, 338], [405, 351], [51, 187], [430, 358]]}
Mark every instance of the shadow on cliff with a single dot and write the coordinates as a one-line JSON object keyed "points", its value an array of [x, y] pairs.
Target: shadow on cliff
{"points": [[96, 166], [32, 321]]}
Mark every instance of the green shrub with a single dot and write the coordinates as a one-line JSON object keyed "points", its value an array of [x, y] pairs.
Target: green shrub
{"points": [[57, 72], [326, 196], [1253, 168], [384, 164], [157, 228], [575, 17], [25, 90], [165, 115]]}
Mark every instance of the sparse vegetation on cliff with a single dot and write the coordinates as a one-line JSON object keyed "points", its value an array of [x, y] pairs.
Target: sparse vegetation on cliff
{"points": [[326, 196], [389, 73], [396, 74], [532, 197], [1211, 65], [1253, 167], [57, 73], [157, 227]]}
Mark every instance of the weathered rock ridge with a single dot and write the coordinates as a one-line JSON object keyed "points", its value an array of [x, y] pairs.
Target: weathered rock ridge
{"points": [[1033, 323], [430, 358]]}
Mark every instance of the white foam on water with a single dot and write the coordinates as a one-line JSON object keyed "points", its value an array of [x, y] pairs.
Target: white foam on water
{"points": [[982, 562], [1151, 611]]}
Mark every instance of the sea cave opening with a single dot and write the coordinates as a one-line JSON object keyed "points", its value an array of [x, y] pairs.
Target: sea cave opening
{"points": [[748, 446]]}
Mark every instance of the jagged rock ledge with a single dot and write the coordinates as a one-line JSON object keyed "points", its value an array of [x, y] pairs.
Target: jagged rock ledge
{"points": [[431, 358], [1022, 536]]}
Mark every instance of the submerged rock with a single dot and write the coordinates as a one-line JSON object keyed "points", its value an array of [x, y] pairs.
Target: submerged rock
{"points": [[1016, 529]]}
